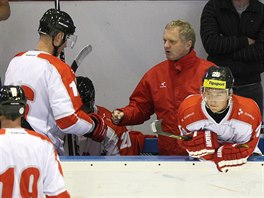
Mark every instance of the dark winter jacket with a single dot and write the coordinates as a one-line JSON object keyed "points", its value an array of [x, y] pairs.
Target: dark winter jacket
{"points": [[225, 38]]}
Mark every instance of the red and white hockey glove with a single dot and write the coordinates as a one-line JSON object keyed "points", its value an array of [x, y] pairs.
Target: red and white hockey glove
{"points": [[100, 129], [202, 144], [231, 156]]}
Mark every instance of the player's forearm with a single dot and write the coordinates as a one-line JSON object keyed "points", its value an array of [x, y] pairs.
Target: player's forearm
{"points": [[253, 53], [81, 127], [78, 123]]}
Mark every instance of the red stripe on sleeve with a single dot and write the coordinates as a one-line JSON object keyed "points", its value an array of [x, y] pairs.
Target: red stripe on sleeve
{"points": [[65, 194], [20, 53], [70, 120], [66, 122]]}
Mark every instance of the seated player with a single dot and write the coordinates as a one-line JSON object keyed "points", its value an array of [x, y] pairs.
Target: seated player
{"points": [[224, 127], [118, 140], [29, 164]]}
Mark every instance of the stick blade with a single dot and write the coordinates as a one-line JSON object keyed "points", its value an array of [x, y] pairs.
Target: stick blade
{"points": [[82, 54], [156, 128]]}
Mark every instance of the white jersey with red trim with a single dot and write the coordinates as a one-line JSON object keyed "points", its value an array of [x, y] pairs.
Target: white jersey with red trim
{"points": [[241, 124], [50, 86], [29, 165]]}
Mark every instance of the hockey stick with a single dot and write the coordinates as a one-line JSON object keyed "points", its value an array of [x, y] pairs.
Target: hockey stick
{"points": [[72, 148], [80, 56], [157, 129]]}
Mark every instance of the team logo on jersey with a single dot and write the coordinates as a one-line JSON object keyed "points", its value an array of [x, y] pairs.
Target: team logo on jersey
{"points": [[240, 112], [163, 85], [215, 84]]}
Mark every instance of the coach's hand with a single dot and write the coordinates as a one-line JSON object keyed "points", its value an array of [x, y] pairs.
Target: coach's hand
{"points": [[117, 116]]}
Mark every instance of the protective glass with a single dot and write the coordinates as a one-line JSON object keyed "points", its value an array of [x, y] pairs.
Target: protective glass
{"points": [[71, 40], [210, 94]]}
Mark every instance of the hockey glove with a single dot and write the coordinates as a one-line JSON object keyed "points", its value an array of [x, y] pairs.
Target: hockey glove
{"points": [[100, 129], [202, 144], [230, 156]]}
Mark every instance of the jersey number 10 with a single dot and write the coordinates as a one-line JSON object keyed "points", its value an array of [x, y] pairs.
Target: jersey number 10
{"points": [[28, 181]]}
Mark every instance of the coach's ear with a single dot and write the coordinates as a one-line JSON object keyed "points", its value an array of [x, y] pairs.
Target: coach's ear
{"points": [[188, 45]]}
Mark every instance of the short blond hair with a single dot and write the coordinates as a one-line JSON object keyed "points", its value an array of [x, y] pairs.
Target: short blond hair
{"points": [[186, 31]]}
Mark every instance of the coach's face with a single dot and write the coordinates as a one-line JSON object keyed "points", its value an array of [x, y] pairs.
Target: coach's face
{"points": [[175, 48]]}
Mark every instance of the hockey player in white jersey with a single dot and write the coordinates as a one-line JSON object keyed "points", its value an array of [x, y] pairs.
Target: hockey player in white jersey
{"points": [[53, 103], [118, 141], [224, 127], [29, 165]]}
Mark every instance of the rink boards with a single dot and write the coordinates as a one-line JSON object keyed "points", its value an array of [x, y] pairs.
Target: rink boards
{"points": [[160, 177]]}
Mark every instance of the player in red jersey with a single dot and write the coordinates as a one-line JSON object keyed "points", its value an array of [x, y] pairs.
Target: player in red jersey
{"points": [[118, 140], [29, 165], [224, 127]]}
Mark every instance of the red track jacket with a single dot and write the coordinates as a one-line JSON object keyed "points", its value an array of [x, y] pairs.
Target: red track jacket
{"points": [[160, 91]]}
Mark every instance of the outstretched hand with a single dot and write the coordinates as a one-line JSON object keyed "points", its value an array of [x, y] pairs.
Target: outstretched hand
{"points": [[117, 116]]}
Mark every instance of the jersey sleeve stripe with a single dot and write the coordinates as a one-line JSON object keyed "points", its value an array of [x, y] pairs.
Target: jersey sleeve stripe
{"points": [[64, 194], [20, 53], [66, 122]]}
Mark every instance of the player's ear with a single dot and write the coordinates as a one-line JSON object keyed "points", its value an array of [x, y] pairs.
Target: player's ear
{"points": [[58, 38]]}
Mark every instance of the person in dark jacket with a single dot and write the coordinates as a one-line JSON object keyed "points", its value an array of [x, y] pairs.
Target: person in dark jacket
{"points": [[232, 32]]}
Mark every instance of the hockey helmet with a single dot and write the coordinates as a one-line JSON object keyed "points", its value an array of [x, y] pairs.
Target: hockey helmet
{"points": [[86, 90], [54, 20], [218, 77], [12, 101]]}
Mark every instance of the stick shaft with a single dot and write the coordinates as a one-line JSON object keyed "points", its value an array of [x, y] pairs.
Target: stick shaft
{"points": [[179, 137]]}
